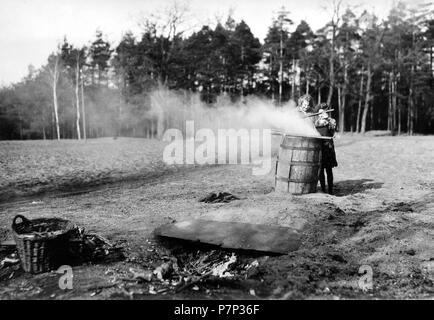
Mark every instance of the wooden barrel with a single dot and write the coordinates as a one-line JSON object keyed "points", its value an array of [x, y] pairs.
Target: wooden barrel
{"points": [[298, 164]]}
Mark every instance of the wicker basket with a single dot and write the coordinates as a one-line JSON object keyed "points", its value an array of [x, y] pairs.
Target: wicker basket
{"points": [[42, 244]]}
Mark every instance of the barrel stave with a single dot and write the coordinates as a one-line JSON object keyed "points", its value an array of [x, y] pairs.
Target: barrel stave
{"points": [[298, 165]]}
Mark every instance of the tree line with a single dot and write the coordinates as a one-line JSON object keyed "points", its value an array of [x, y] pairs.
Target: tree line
{"points": [[377, 75]]}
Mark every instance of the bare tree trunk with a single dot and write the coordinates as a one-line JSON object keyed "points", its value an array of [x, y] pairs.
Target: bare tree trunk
{"points": [[389, 111], [410, 124], [397, 103], [52, 125], [20, 118], [359, 109], [93, 76], [293, 80], [339, 105], [371, 118], [332, 79], [431, 62], [273, 98], [307, 86], [280, 73], [415, 111], [299, 83], [55, 76], [83, 109], [77, 96], [394, 103], [242, 80], [119, 122], [152, 128], [410, 114], [281, 67], [367, 99], [343, 100], [344, 103], [332, 67], [399, 119]]}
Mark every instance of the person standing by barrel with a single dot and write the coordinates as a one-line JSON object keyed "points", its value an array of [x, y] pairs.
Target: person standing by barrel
{"points": [[307, 109], [305, 104], [326, 126]]}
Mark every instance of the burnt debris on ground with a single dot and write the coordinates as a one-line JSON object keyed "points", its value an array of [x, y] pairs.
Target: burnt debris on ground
{"points": [[221, 197], [181, 267], [94, 248]]}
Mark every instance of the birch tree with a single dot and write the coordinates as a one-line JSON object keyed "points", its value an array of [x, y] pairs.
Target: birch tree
{"points": [[74, 60], [53, 69]]}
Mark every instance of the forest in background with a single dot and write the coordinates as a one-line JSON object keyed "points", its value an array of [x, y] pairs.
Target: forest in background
{"points": [[376, 74]]}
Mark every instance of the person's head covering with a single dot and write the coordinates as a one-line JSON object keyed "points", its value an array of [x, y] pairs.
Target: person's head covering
{"points": [[308, 100], [323, 106]]}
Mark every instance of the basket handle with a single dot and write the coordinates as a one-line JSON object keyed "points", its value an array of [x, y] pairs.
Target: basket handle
{"points": [[19, 216]]}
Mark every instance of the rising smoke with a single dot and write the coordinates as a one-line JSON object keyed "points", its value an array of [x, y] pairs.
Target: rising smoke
{"points": [[174, 108]]}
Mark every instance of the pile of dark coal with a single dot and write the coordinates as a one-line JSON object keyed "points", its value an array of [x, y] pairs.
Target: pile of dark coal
{"points": [[221, 197], [90, 247]]}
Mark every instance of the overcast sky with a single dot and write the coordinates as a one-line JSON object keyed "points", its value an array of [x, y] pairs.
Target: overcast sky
{"points": [[31, 29]]}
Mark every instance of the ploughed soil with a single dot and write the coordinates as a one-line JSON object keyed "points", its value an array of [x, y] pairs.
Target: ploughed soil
{"points": [[381, 218]]}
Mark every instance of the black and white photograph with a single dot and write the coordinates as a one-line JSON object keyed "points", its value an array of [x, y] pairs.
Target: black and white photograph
{"points": [[241, 151]]}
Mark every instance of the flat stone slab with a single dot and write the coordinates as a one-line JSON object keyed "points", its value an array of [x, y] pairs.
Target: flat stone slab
{"points": [[234, 235]]}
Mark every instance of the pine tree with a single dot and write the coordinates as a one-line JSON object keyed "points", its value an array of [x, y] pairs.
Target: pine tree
{"points": [[100, 53]]}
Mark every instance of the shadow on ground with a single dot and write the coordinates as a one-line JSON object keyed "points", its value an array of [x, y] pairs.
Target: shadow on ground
{"points": [[349, 187]]}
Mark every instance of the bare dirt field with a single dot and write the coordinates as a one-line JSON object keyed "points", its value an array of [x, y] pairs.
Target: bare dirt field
{"points": [[382, 216]]}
